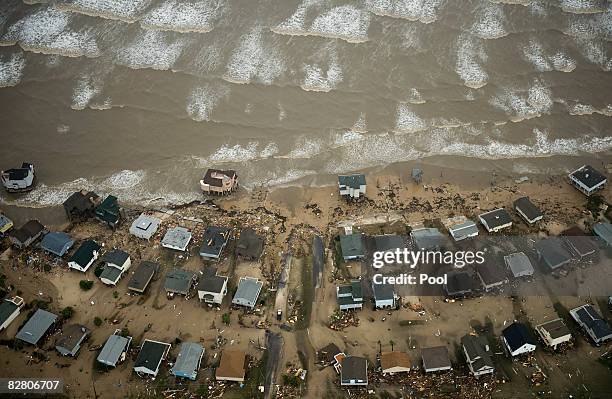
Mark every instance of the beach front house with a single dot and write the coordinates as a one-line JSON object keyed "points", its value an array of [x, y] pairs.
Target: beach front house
{"points": [[352, 247], [19, 179], [109, 211], [496, 220], [519, 265], [384, 296], [145, 226], [436, 359], [392, 363], [232, 366], [81, 205], [219, 182], [352, 186], [527, 210], [354, 371], [179, 282], [85, 256], [552, 252], [587, 180]]}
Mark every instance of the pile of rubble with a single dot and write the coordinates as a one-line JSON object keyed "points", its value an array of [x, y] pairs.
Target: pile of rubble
{"points": [[338, 321]]}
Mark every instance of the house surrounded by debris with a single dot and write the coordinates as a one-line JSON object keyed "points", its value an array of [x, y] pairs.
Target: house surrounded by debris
{"points": [[554, 333], [152, 354], [215, 240], [179, 281], [477, 354], [354, 371], [491, 275], [177, 238], [352, 247], [352, 186], [212, 288], [250, 245], [461, 228], [587, 180], [552, 252], [24, 236], [57, 243], [384, 296], [436, 359], [392, 363], [5, 225], [220, 182], [579, 243], [427, 239], [117, 263], [145, 226], [519, 264], [350, 296]]}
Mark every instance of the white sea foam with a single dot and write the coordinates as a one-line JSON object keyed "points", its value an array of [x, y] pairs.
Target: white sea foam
{"points": [[595, 52], [151, 49], [305, 148], [415, 97], [591, 26], [319, 77], [490, 22], [407, 121], [282, 113], [520, 105], [235, 153], [582, 6], [345, 22], [11, 69], [563, 62], [360, 124], [184, 16], [85, 90], [47, 31], [203, 100], [471, 55], [579, 109], [560, 61], [425, 11], [123, 10], [270, 150], [254, 60]]}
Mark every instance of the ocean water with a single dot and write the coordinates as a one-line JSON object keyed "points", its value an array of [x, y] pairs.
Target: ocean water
{"points": [[138, 98]]}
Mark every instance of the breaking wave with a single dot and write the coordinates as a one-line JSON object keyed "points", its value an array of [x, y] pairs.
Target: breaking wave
{"points": [[184, 16], [471, 54], [122, 10], [151, 49], [425, 11], [11, 69], [202, 100]]}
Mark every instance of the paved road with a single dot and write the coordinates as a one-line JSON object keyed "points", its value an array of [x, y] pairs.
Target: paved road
{"points": [[274, 345]]}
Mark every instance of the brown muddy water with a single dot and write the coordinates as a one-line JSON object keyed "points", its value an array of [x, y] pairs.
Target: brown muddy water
{"points": [[138, 98]]}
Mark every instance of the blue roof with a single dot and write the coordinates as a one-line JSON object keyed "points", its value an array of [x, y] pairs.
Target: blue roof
{"points": [[58, 243], [188, 360]]}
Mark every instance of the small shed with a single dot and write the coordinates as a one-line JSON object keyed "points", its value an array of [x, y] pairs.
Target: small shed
{"points": [[177, 238], [188, 361], [145, 226], [57, 243]]}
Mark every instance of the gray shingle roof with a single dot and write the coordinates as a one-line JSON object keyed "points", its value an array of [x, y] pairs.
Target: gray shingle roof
{"points": [[151, 354], [427, 238], [352, 245], [57, 242], [603, 231], [436, 357], [145, 226], [383, 292], [179, 281], [519, 264], [248, 289], [354, 368], [353, 181], [116, 257], [212, 283], [552, 252], [188, 360], [178, 237], [36, 327], [143, 275], [113, 348]]}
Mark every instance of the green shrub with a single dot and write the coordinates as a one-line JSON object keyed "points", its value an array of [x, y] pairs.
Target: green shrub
{"points": [[97, 321], [226, 318], [67, 312], [86, 284]]}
